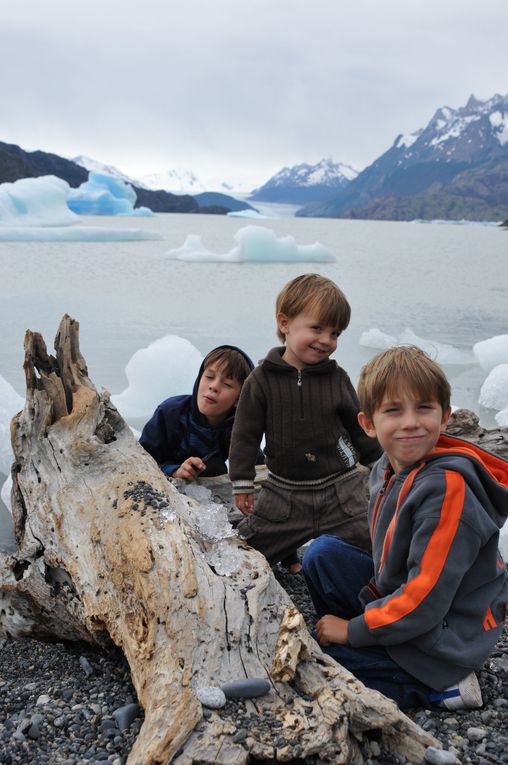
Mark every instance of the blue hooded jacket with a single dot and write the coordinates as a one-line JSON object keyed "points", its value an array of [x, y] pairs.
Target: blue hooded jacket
{"points": [[177, 430]]}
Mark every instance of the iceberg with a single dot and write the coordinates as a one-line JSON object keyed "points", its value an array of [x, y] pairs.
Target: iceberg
{"points": [[494, 391], [35, 209], [492, 352], [103, 194], [36, 202], [167, 367], [10, 404], [440, 352], [254, 244]]}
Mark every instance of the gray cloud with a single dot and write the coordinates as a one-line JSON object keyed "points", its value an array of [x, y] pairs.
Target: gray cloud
{"points": [[238, 85]]}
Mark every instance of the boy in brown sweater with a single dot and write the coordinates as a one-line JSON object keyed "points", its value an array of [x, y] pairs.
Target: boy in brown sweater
{"points": [[307, 408]]}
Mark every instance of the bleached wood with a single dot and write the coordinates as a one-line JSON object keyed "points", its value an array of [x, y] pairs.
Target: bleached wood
{"points": [[108, 550]]}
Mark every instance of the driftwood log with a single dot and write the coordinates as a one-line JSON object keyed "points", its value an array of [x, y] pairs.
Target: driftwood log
{"points": [[110, 552]]}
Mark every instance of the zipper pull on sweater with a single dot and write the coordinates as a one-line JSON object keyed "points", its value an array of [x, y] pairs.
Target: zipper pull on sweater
{"points": [[299, 381]]}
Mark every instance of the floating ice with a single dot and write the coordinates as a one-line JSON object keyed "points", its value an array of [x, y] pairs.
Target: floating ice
{"points": [[492, 352], [502, 418], [494, 391], [374, 338], [35, 202], [254, 214], [105, 195], [254, 243], [35, 209], [440, 352], [167, 367], [10, 404], [5, 492]]}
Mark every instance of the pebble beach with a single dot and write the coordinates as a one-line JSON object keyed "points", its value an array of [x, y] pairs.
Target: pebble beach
{"points": [[66, 704]]}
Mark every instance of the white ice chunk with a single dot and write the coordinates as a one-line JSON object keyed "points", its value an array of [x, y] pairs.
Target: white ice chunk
{"points": [[502, 418], [494, 391], [254, 244], [197, 491], [503, 542], [167, 367], [254, 214], [5, 492], [105, 195], [374, 338], [492, 352], [36, 202], [440, 352], [10, 404], [224, 557], [211, 520]]}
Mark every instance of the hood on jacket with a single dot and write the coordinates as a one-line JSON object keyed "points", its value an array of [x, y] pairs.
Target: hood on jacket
{"points": [[483, 471], [194, 406]]}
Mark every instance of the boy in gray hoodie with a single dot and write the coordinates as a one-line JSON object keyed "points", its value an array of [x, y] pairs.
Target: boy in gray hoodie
{"points": [[419, 617]]}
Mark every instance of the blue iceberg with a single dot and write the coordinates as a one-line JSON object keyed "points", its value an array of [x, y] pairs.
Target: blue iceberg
{"points": [[103, 194]]}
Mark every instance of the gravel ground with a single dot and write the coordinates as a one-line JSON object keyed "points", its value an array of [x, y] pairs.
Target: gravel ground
{"points": [[68, 705]]}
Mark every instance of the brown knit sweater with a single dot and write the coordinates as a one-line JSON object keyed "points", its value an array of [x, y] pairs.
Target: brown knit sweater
{"points": [[309, 419]]}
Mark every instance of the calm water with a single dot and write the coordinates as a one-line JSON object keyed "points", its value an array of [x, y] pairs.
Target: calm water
{"points": [[448, 283]]}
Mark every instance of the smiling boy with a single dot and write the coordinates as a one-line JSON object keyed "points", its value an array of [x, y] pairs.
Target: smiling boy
{"points": [[307, 408], [417, 619]]}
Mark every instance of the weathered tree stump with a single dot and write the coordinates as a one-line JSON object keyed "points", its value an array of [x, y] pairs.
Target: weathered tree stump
{"points": [[108, 550]]}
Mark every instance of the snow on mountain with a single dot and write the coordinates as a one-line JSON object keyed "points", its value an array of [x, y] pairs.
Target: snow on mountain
{"points": [[182, 181], [302, 183], [94, 166], [471, 133]]}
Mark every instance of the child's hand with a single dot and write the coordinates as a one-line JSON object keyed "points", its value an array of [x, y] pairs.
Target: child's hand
{"points": [[190, 469], [245, 503], [332, 629]]}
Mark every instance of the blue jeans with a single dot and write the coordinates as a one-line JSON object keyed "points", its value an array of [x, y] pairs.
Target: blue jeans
{"points": [[335, 572]]}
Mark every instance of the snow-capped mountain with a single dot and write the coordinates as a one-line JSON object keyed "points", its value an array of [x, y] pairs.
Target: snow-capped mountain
{"points": [[305, 183], [93, 165], [456, 167], [182, 181]]}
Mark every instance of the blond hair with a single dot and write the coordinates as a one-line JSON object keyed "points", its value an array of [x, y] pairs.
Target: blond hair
{"points": [[403, 368], [316, 295]]}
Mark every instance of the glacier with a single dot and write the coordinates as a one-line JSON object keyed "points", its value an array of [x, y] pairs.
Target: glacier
{"points": [[254, 244]]}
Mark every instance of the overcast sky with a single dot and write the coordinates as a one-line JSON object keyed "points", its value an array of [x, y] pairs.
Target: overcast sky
{"points": [[238, 88]]}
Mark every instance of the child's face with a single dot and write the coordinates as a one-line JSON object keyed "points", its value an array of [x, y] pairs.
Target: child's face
{"points": [[217, 394], [406, 427], [307, 341]]}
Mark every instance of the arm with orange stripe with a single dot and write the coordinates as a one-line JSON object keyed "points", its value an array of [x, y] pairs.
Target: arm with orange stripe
{"points": [[432, 545]]}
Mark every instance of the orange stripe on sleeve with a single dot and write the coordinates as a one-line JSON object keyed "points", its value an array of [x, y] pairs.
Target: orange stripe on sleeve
{"points": [[433, 559], [489, 622]]}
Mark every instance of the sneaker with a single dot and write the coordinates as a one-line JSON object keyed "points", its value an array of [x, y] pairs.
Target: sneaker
{"points": [[465, 695]]}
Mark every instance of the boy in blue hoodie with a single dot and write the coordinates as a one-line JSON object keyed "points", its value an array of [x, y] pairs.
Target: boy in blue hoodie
{"points": [[189, 435], [420, 617]]}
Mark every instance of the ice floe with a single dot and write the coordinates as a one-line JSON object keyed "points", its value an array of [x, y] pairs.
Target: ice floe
{"points": [[253, 244]]}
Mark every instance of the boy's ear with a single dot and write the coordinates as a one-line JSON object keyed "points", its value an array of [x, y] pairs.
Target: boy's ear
{"points": [[366, 424], [282, 323], [445, 418]]}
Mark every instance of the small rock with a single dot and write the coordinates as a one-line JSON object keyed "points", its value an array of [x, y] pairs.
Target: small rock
{"points": [[43, 699], [34, 731], [212, 697], [126, 715], [246, 689], [476, 734], [86, 666], [440, 756]]}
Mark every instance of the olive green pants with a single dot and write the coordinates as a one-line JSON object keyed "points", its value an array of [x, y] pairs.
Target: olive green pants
{"points": [[284, 519]]}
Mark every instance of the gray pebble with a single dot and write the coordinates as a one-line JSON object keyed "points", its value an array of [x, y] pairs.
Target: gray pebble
{"points": [[212, 697], [476, 734], [440, 756], [86, 666], [248, 688], [126, 715]]}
